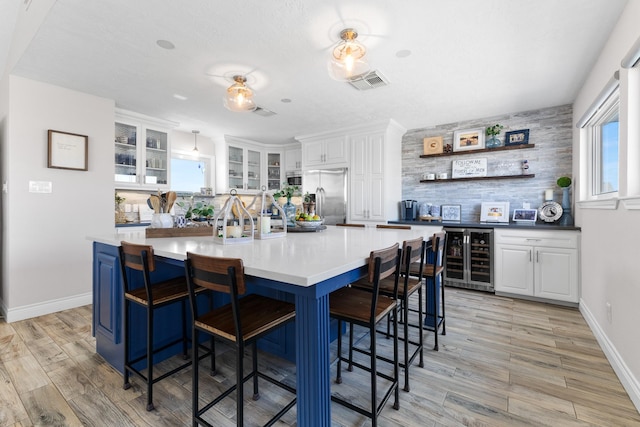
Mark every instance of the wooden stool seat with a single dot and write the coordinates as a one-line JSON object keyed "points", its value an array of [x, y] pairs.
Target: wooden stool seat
{"points": [[241, 322], [367, 309], [135, 258]]}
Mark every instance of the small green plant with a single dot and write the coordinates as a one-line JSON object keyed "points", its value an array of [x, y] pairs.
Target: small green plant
{"points": [[119, 200], [286, 191], [494, 130], [564, 181], [307, 197], [202, 210]]}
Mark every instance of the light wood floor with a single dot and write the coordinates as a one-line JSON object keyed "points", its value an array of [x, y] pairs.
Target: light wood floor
{"points": [[503, 362]]}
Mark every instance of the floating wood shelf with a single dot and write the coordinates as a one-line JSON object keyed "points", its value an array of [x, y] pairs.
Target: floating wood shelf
{"points": [[482, 150], [477, 178]]}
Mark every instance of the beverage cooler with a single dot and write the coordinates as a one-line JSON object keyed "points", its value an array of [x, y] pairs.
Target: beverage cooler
{"points": [[469, 258]]}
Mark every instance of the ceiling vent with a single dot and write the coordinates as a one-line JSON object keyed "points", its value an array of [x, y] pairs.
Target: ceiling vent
{"points": [[264, 112], [369, 80]]}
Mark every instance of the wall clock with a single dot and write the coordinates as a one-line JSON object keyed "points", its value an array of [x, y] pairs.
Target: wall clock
{"points": [[550, 211]]}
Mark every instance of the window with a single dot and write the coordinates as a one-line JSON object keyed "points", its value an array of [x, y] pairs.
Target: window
{"points": [[603, 142], [190, 173]]}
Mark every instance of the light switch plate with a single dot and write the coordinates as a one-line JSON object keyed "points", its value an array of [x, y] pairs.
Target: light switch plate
{"points": [[526, 205], [40, 186]]}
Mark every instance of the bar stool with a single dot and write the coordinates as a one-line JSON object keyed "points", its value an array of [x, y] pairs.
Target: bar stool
{"points": [[433, 273], [241, 322], [367, 309], [151, 296], [413, 253]]}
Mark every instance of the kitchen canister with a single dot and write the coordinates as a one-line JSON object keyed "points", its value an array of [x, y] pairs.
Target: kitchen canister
{"points": [[161, 220]]}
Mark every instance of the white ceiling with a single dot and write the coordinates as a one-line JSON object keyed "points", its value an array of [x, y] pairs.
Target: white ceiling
{"points": [[469, 58]]}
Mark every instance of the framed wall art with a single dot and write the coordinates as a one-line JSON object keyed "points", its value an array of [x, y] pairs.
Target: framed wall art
{"points": [[471, 139], [451, 213], [67, 150], [433, 145], [494, 212], [516, 137]]}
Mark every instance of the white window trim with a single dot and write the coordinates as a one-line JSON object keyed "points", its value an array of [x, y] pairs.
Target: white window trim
{"points": [[600, 106]]}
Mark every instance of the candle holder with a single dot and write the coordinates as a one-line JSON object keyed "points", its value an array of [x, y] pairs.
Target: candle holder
{"points": [[233, 223], [265, 228]]}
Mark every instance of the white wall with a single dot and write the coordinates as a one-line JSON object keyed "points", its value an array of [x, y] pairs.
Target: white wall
{"points": [[610, 268], [47, 259]]}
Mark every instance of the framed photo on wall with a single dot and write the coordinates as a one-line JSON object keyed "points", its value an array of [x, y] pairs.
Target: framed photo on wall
{"points": [[516, 137], [451, 213], [470, 139], [67, 150], [433, 145]]}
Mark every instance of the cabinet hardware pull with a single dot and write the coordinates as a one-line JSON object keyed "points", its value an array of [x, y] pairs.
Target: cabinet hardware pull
{"points": [[530, 255]]}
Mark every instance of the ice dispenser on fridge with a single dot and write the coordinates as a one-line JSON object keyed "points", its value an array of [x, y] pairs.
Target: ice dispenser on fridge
{"points": [[408, 210]]}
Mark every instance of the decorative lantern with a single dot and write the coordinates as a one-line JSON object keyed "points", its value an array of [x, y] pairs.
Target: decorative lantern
{"points": [[233, 222], [265, 229]]}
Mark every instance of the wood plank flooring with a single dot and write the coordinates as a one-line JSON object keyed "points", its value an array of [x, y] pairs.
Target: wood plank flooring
{"points": [[503, 362]]}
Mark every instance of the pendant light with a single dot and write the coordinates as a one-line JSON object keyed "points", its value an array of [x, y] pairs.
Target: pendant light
{"points": [[195, 141], [239, 96], [347, 58]]}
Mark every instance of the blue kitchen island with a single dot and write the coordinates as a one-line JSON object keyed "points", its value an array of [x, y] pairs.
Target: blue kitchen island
{"points": [[301, 267]]}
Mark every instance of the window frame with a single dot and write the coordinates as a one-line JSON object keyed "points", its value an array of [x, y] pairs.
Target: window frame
{"points": [[593, 132]]}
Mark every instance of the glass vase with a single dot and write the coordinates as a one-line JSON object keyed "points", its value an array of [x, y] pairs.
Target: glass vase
{"points": [[566, 218], [290, 212], [493, 142]]}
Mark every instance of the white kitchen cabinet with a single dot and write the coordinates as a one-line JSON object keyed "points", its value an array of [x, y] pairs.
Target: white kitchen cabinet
{"points": [[142, 152], [367, 178], [274, 170], [244, 167], [325, 153], [541, 264], [293, 159]]}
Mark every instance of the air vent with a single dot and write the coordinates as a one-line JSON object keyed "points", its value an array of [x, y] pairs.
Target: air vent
{"points": [[264, 112], [368, 81]]}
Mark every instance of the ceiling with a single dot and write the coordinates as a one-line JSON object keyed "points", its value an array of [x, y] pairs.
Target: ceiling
{"points": [[468, 58]]}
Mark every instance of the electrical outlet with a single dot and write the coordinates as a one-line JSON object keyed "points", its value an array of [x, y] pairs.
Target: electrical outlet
{"points": [[609, 312]]}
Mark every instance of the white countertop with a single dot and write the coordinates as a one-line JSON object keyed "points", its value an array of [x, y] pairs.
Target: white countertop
{"points": [[302, 259]]}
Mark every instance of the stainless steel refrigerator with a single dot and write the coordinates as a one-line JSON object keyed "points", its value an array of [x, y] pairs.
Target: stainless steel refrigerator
{"points": [[330, 189]]}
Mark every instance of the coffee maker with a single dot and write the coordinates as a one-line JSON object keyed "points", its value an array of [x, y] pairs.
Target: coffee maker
{"points": [[408, 210]]}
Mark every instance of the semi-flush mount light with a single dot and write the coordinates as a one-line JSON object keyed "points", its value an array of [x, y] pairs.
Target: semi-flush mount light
{"points": [[195, 141], [239, 97], [347, 59]]}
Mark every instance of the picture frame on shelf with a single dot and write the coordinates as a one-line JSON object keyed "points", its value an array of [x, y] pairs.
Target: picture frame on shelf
{"points": [[494, 212], [433, 145], [525, 215], [469, 139], [451, 213], [516, 137], [67, 150]]}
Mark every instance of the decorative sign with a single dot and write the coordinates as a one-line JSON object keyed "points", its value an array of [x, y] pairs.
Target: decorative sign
{"points": [[469, 168]]}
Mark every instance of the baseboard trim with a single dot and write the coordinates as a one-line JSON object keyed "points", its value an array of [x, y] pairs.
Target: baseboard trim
{"points": [[629, 382], [47, 307]]}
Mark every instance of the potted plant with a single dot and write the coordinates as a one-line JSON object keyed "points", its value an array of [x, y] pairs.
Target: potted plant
{"points": [[493, 132], [201, 211], [289, 208], [309, 206], [120, 217]]}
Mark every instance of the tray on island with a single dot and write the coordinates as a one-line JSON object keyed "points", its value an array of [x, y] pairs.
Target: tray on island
{"points": [[178, 232], [298, 229]]}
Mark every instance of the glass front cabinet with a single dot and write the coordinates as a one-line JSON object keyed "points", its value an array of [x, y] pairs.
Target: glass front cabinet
{"points": [[244, 168], [142, 154], [274, 170]]}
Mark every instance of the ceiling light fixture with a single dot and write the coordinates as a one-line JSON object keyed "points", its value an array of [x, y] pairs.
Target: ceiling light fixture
{"points": [[347, 58], [195, 141], [239, 97]]}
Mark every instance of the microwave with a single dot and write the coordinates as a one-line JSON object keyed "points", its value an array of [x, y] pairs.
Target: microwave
{"points": [[294, 178]]}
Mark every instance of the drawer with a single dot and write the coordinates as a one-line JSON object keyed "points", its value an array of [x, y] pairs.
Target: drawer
{"points": [[554, 239]]}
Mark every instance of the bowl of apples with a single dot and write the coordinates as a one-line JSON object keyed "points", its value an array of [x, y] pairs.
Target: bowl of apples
{"points": [[308, 221]]}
